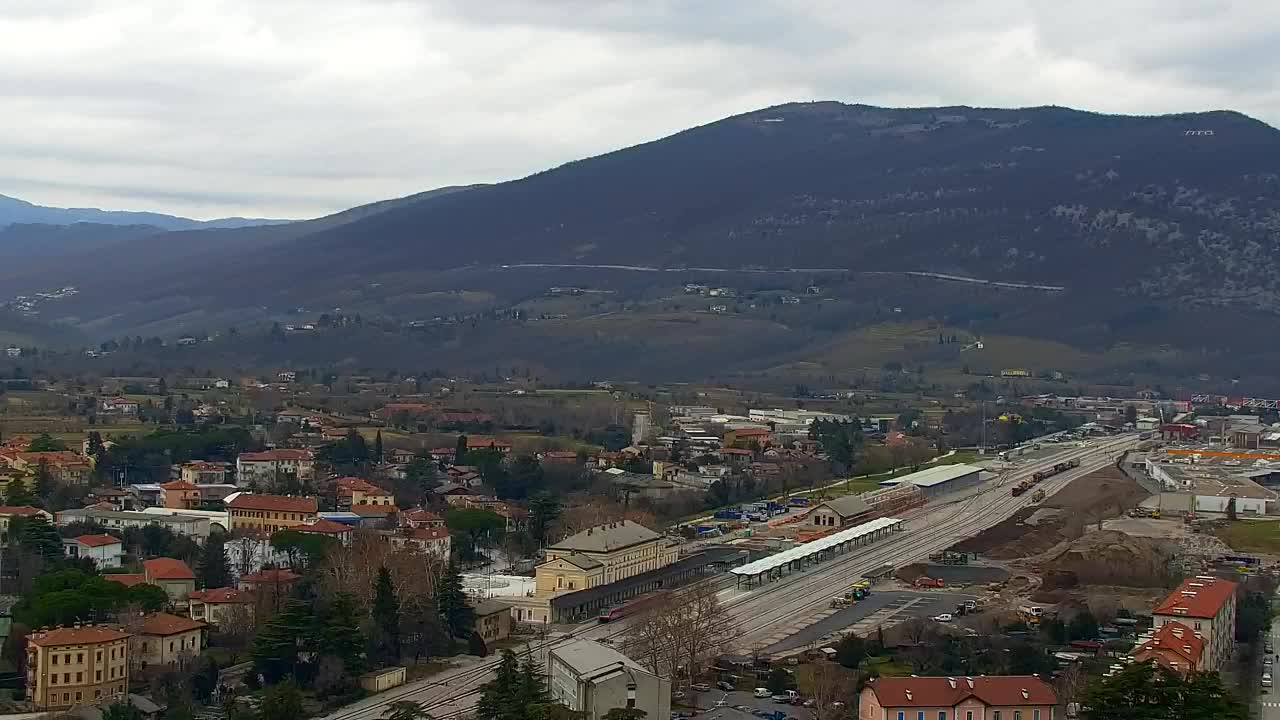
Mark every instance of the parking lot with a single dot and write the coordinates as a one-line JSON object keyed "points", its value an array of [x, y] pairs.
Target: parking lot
{"points": [[887, 606], [738, 705]]}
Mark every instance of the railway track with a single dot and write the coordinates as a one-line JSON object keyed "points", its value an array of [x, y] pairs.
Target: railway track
{"points": [[928, 530]]}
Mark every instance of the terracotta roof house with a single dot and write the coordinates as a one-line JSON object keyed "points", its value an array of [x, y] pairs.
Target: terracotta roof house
{"points": [[173, 576], [268, 578], [126, 579], [989, 696], [1207, 606], [1173, 645], [329, 528], [420, 517], [164, 639], [104, 550], [263, 513]]}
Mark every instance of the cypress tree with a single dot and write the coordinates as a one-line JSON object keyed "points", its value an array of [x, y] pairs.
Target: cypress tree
{"points": [[451, 601], [386, 618]]}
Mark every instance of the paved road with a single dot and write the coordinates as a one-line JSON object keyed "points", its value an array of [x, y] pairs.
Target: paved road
{"points": [[1270, 701], [881, 607], [762, 610]]}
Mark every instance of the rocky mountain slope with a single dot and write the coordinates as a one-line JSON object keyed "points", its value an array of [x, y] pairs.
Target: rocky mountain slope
{"points": [[16, 211]]}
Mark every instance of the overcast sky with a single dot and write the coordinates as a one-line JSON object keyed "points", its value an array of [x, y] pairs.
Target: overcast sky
{"points": [[295, 108]]}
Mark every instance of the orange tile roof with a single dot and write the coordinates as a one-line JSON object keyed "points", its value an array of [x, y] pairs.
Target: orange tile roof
{"points": [[420, 515], [270, 575], [222, 595], [1200, 597], [428, 533], [274, 503], [99, 540], [180, 485], [20, 510], [127, 579], [1176, 638], [994, 690], [84, 635], [278, 454], [165, 568], [162, 623]]}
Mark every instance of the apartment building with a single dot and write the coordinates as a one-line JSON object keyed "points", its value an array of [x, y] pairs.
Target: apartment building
{"points": [[1206, 606], [263, 467], [989, 697], [221, 606], [260, 513], [79, 664], [358, 491]]}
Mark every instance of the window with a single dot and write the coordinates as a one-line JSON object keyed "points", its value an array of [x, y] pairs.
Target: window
{"points": [[996, 715], [1017, 715], [97, 676], [920, 715], [901, 715], [55, 658], [968, 715], [942, 715], [66, 697], [77, 697], [1035, 715], [66, 678], [79, 657], [53, 678], [1197, 624], [79, 677]]}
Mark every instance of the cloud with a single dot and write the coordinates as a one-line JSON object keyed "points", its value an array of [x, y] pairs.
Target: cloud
{"points": [[300, 107]]}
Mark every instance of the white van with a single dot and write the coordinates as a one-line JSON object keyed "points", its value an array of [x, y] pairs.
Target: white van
{"points": [[762, 692]]}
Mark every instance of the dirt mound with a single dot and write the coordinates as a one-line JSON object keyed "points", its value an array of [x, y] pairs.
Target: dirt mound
{"points": [[1083, 502], [910, 573], [1108, 558]]}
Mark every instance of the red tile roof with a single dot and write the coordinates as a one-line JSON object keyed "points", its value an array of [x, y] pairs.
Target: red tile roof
{"points": [[1174, 637], [273, 503], [165, 624], [98, 540], [994, 690], [750, 431], [1200, 596], [127, 579], [324, 526], [222, 595], [428, 533], [84, 635], [279, 454], [20, 510], [480, 442], [420, 515], [270, 575], [180, 485], [165, 568]]}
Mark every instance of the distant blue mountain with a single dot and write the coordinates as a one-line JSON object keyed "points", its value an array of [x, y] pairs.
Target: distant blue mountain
{"points": [[13, 211]]}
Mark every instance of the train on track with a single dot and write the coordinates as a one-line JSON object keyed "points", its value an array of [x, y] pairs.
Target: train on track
{"points": [[1042, 475]]}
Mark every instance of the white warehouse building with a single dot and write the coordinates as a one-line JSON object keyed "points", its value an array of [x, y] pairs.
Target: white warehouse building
{"points": [[1213, 486]]}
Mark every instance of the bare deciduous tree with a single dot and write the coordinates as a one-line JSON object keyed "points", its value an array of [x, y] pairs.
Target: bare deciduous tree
{"points": [[679, 635], [834, 691]]}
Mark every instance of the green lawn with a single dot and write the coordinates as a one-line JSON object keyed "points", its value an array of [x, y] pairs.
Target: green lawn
{"points": [[1261, 536], [887, 665]]}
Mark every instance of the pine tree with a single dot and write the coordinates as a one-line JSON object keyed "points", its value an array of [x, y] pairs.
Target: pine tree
{"points": [[282, 702], [214, 568], [340, 633], [41, 538], [44, 479], [377, 447], [460, 451], [17, 494], [533, 687], [459, 619], [386, 619], [500, 697], [95, 447], [276, 646]]}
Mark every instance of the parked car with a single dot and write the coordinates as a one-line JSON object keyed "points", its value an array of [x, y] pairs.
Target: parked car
{"points": [[786, 697], [944, 617], [1266, 660], [700, 687], [677, 695], [762, 692], [725, 686]]}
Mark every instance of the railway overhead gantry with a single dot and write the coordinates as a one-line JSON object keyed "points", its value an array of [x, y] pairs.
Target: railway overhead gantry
{"points": [[801, 556]]}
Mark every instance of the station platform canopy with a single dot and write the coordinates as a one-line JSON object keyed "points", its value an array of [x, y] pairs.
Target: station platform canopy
{"points": [[809, 549]]}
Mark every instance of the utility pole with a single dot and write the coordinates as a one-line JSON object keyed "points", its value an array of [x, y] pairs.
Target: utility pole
{"points": [[982, 449]]}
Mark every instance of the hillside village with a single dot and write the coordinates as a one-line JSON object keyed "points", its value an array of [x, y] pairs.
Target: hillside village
{"points": [[217, 547]]}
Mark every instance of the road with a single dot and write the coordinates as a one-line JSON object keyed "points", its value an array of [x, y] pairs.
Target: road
{"points": [[762, 611], [1268, 702]]}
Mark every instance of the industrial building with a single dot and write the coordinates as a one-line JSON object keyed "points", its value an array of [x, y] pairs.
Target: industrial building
{"points": [[940, 480], [1213, 482], [592, 678]]}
